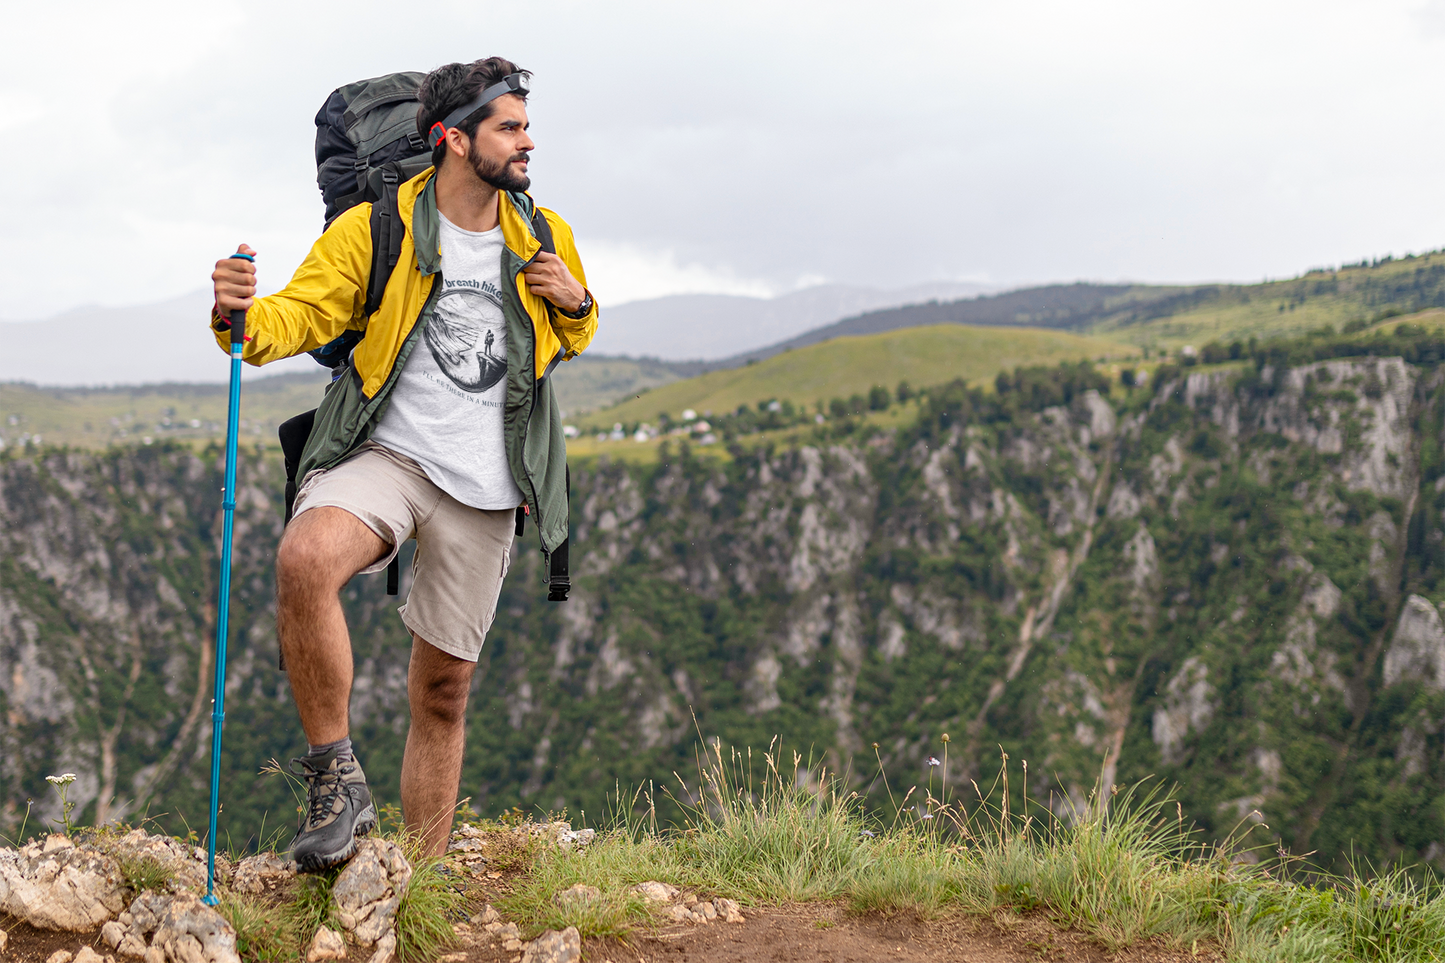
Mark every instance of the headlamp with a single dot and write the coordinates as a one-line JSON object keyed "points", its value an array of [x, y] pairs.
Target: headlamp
{"points": [[510, 84]]}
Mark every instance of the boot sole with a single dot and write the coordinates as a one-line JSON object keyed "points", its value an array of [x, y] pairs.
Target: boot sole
{"points": [[320, 862]]}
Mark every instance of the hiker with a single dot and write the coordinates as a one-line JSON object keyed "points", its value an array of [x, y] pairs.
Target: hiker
{"points": [[439, 437]]}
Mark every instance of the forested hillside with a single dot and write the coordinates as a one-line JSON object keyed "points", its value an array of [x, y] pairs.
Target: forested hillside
{"points": [[1228, 579]]}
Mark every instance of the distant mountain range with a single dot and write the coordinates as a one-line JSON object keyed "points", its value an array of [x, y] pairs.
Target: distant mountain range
{"points": [[143, 344], [712, 327], [164, 341]]}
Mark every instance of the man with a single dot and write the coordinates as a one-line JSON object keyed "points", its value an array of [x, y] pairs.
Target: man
{"points": [[439, 428]]}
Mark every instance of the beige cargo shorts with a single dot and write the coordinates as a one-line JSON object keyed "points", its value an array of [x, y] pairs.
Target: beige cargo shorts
{"points": [[462, 553]]}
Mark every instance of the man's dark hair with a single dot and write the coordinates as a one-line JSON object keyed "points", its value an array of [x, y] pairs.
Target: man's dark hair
{"points": [[454, 85]]}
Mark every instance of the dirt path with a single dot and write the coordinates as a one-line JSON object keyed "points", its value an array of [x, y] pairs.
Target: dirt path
{"points": [[823, 933], [809, 933]]}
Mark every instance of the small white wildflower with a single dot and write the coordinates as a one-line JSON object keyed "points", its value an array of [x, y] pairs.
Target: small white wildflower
{"points": [[928, 815], [867, 834], [934, 761], [64, 779]]}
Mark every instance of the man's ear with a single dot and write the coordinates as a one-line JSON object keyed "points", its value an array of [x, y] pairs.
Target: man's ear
{"points": [[457, 143]]}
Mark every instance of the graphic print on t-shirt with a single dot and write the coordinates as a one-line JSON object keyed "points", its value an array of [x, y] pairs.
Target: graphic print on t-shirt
{"points": [[466, 334]]}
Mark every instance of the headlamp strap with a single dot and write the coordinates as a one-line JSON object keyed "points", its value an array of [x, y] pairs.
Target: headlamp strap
{"points": [[510, 84]]}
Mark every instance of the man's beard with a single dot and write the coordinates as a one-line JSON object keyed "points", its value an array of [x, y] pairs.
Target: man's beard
{"points": [[500, 175]]}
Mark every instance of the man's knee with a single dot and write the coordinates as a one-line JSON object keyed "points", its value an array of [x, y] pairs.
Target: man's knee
{"points": [[439, 696], [303, 562], [318, 551]]}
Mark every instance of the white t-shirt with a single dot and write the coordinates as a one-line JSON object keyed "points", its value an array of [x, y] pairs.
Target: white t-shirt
{"points": [[445, 410]]}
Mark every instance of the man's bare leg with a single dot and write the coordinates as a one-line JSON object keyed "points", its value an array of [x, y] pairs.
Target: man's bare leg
{"points": [[320, 552], [437, 685]]}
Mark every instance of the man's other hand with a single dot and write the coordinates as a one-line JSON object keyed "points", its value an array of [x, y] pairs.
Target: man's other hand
{"points": [[548, 277], [235, 282]]}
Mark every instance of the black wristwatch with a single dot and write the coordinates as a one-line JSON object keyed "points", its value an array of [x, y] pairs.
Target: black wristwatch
{"points": [[582, 309]]}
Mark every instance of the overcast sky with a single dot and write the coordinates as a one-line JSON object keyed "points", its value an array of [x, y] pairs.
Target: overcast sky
{"points": [[750, 147]]}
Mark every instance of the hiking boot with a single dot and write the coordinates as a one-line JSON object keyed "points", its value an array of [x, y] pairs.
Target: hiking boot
{"points": [[340, 809]]}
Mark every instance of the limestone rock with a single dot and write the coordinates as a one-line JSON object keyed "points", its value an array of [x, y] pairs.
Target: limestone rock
{"points": [[185, 866], [4, 940], [560, 834], [131, 946], [555, 947], [55, 885], [694, 910], [504, 931], [579, 893], [185, 930], [87, 955], [729, 911], [655, 892], [262, 872], [368, 892], [488, 914], [192, 932], [385, 948], [112, 932], [1417, 650], [326, 945], [59, 956]]}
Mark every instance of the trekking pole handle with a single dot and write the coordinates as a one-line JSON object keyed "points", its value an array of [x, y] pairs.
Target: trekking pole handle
{"points": [[238, 316]]}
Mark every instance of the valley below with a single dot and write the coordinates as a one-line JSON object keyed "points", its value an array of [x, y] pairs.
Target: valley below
{"points": [[1226, 582]]}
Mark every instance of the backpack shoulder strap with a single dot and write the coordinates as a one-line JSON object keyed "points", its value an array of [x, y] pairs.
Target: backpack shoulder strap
{"points": [[543, 231], [558, 581], [386, 234]]}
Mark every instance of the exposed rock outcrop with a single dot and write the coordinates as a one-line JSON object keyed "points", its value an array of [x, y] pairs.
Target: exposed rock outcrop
{"points": [[53, 884], [367, 894], [172, 929], [1417, 649]]}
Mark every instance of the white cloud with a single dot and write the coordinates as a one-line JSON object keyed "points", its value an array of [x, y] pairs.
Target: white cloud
{"points": [[622, 272], [1431, 18], [740, 147]]}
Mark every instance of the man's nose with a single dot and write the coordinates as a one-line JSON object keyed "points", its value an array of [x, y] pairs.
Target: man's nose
{"points": [[527, 143]]}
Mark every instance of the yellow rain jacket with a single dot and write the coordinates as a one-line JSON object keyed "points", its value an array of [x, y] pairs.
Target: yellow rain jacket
{"points": [[326, 297]]}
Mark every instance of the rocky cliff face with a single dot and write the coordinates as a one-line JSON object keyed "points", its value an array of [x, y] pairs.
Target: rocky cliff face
{"points": [[1230, 583]]}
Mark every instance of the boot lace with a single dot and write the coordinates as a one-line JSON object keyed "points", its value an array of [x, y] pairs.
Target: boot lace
{"points": [[323, 788]]}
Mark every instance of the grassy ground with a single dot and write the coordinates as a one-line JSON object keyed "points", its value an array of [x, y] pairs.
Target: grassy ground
{"points": [[844, 366], [1121, 866]]}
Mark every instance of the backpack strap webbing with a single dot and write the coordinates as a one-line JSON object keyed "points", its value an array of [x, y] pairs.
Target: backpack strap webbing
{"points": [[558, 581], [386, 234], [543, 231]]}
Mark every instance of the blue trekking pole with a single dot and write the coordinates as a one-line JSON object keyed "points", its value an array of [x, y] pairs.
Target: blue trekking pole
{"points": [[223, 603]]}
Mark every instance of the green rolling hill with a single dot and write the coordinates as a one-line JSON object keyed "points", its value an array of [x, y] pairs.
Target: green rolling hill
{"points": [[975, 338], [924, 344], [1169, 317], [849, 365]]}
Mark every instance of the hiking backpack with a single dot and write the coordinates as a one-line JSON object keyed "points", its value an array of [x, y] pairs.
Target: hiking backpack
{"points": [[367, 146]]}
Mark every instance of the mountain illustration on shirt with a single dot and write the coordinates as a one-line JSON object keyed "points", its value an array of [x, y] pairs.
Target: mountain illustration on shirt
{"points": [[462, 336]]}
